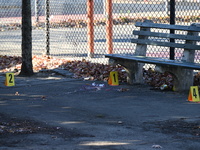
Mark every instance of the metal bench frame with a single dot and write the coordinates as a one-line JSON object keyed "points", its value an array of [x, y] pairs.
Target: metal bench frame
{"points": [[181, 69]]}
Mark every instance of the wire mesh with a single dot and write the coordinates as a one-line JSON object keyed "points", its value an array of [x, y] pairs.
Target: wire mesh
{"points": [[68, 34]]}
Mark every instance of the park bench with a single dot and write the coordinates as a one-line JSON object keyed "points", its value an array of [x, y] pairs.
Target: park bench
{"points": [[184, 38]]}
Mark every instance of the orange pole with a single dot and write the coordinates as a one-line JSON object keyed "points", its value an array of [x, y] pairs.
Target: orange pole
{"points": [[90, 25], [109, 26]]}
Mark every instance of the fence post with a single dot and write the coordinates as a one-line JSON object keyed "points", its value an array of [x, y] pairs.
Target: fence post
{"points": [[172, 21], [47, 26], [36, 11], [109, 26], [90, 25]]}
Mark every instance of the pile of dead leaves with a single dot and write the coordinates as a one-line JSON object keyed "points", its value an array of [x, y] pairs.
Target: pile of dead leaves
{"points": [[80, 69], [88, 70], [93, 71], [163, 81], [8, 62]]}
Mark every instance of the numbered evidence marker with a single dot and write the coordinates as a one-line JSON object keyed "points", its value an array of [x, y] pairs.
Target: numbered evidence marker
{"points": [[193, 94], [10, 80], [113, 78]]}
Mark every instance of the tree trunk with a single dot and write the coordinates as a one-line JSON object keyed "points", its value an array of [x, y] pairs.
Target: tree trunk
{"points": [[27, 66]]}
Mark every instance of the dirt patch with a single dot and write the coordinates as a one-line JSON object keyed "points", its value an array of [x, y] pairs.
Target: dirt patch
{"points": [[180, 128], [15, 132]]}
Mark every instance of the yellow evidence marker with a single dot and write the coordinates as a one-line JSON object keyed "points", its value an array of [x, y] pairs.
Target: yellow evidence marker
{"points": [[113, 78], [10, 79], [193, 94]]}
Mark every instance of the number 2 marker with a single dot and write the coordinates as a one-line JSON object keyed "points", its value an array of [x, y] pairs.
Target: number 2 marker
{"points": [[10, 79]]}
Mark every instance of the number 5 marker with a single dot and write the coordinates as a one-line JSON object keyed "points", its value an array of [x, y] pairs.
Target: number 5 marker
{"points": [[10, 80]]}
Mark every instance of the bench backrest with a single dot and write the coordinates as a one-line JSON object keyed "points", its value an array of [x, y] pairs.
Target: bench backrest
{"points": [[147, 37]]}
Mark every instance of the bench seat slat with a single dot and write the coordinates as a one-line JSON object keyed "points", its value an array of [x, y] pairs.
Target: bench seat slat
{"points": [[167, 35], [168, 26], [166, 44], [144, 59]]}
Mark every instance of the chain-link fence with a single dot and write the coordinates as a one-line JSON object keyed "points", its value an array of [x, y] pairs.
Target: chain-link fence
{"points": [[70, 35]]}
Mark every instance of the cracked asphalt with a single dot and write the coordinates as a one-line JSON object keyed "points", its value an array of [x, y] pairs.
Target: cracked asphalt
{"points": [[72, 114]]}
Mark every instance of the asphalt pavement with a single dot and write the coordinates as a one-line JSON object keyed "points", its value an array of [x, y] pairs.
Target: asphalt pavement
{"points": [[103, 117]]}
